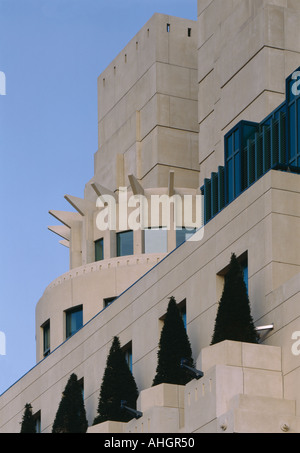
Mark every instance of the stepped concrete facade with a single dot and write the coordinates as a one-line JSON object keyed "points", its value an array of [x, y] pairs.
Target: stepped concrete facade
{"points": [[166, 104]]}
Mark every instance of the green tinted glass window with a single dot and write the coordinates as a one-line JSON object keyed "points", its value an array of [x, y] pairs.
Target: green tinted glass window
{"points": [[74, 320], [99, 251], [125, 243]]}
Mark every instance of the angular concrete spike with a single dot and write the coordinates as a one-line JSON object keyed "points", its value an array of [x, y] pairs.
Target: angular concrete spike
{"points": [[101, 190], [61, 230], [171, 189], [81, 205], [65, 243], [65, 217], [137, 189]]}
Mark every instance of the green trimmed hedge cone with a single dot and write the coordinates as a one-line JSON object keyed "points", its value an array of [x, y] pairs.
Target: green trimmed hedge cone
{"points": [[71, 416], [234, 321], [28, 421], [118, 384], [174, 345]]}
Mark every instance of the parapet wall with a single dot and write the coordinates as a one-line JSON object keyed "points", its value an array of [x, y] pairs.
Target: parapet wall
{"points": [[165, 39], [147, 108], [241, 392]]}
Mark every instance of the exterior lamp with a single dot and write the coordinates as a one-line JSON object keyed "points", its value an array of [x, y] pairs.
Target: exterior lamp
{"points": [[195, 373], [136, 414]]}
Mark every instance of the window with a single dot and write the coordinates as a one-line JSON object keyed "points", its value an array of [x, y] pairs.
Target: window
{"points": [[99, 250], [183, 316], [74, 320], [81, 385], [183, 234], [243, 260], [182, 310], [233, 165], [37, 420], [127, 350], [46, 338], [156, 240], [293, 116], [189, 32], [125, 243], [168, 28], [294, 133], [244, 265], [108, 300], [236, 163]]}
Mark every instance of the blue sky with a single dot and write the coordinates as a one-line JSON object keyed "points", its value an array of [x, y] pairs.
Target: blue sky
{"points": [[51, 52]]}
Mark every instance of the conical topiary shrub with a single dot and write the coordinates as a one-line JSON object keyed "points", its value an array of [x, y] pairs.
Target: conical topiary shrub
{"points": [[28, 421], [118, 384], [174, 345], [71, 415], [234, 321]]}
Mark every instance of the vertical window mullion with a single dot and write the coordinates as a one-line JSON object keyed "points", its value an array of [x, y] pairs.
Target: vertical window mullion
{"points": [[297, 157], [296, 132]]}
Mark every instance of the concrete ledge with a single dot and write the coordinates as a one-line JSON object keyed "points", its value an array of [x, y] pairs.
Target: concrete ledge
{"points": [[106, 427], [163, 395], [237, 377], [163, 412], [156, 420], [240, 392], [247, 355]]}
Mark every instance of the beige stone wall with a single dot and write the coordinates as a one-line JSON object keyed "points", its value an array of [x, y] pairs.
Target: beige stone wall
{"points": [[240, 392], [246, 49], [149, 124], [88, 283], [191, 273], [87, 286], [147, 110]]}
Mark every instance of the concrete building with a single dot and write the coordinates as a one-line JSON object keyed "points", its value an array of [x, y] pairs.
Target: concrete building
{"points": [[209, 109]]}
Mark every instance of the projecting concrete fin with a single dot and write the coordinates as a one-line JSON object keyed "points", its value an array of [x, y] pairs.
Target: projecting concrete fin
{"points": [[67, 218], [61, 230], [65, 243], [82, 206], [137, 189], [101, 190]]}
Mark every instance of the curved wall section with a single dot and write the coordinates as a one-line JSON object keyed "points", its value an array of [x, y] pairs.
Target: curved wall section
{"points": [[90, 286]]}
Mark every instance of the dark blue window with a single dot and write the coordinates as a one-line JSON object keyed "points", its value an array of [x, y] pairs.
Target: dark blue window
{"points": [[233, 165], [293, 101], [245, 273], [252, 149], [297, 159], [183, 314], [125, 243], [74, 320], [127, 350], [244, 267], [46, 338], [99, 250], [292, 132], [183, 234]]}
